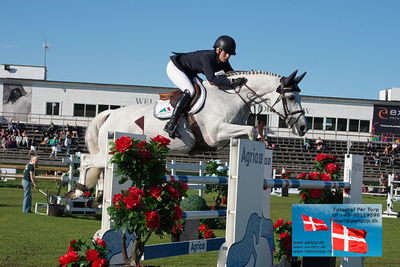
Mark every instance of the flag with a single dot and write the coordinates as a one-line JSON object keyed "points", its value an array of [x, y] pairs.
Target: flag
{"points": [[348, 239], [312, 224], [140, 122]]}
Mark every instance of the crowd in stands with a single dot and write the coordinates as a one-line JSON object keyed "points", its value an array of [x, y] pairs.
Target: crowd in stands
{"points": [[58, 138], [319, 144]]}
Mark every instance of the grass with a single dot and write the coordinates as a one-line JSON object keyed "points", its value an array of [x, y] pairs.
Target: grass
{"points": [[37, 240]]}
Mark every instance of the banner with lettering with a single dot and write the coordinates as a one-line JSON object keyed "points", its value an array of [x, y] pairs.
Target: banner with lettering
{"points": [[386, 119], [340, 230]]}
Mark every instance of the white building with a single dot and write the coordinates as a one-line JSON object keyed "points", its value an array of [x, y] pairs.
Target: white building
{"points": [[28, 96]]}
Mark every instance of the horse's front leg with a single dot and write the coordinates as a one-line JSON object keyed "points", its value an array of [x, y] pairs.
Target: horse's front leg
{"points": [[227, 131]]}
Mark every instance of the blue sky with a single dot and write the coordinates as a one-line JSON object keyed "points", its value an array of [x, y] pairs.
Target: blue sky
{"points": [[349, 48]]}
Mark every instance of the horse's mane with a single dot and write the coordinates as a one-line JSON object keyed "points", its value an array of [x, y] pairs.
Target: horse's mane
{"points": [[251, 72]]}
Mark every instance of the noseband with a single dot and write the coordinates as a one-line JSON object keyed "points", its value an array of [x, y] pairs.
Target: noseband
{"points": [[287, 117]]}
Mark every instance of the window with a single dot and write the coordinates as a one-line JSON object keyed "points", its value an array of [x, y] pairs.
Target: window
{"points": [[84, 110], [353, 125], [330, 124], [309, 122], [52, 108], [101, 108], [364, 126], [318, 123], [341, 124], [282, 123], [114, 107]]}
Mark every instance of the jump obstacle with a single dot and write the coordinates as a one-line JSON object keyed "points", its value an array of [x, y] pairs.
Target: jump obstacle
{"points": [[247, 217], [392, 196]]}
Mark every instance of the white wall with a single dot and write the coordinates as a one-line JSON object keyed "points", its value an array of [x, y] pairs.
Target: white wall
{"points": [[23, 72]]}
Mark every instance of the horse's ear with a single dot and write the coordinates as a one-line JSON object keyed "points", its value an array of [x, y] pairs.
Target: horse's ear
{"points": [[288, 80], [299, 78]]}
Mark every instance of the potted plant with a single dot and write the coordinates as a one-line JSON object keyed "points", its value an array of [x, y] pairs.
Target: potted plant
{"points": [[84, 254], [283, 244], [151, 205]]}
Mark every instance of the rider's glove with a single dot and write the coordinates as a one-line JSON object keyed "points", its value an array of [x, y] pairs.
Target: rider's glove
{"points": [[238, 82]]}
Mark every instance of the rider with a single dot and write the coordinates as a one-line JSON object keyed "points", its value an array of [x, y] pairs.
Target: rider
{"points": [[183, 67]]}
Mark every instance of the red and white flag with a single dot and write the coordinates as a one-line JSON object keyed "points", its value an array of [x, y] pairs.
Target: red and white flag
{"points": [[348, 239], [312, 224]]}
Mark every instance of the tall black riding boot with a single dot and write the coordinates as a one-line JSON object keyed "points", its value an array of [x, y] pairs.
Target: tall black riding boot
{"points": [[181, 105]]}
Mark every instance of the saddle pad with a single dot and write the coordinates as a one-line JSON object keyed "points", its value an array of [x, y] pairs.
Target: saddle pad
{"points": [[163, 109]]}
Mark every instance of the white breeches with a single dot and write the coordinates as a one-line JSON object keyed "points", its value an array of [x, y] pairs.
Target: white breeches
{"points": [[179, 78]]}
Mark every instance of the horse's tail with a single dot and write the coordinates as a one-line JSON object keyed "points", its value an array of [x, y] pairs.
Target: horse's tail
{"points": [[92, 131]]}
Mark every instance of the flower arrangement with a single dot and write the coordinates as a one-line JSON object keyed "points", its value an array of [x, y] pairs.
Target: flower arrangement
{"points": [[81, 254], [150, 205], [205, 233], [216, 169], [283, 244], [326, 169]]}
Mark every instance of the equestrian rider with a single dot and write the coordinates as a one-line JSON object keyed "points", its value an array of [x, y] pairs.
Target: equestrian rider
{"points": [[183, 67]]}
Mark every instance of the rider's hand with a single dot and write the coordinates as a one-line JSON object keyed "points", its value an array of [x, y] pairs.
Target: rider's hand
{"points": [[238, 82]]}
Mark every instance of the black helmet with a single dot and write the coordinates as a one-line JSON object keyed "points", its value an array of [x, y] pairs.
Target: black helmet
{"points": [[226, 43]]}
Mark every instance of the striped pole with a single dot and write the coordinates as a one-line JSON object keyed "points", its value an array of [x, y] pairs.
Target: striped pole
{"points": [[197, 179], [304, 184], [205, 214]]}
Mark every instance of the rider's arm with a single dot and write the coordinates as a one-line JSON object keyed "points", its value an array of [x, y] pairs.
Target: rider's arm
{"points": [[209, 66]]}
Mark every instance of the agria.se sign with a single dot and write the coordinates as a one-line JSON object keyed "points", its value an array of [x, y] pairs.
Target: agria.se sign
{"points": [[253, 157]]}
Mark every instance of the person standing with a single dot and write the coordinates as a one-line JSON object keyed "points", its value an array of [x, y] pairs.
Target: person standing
{"points": [[27, 181]]}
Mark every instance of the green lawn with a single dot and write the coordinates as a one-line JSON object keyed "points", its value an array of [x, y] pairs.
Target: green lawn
{"points": [[37, 240]]}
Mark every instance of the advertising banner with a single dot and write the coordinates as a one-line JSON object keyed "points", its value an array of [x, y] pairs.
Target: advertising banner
{"points": [[337, 230], [386, 119]]}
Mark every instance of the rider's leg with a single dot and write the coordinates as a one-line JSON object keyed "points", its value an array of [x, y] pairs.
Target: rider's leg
{"points": [[181, 80], [181, 105]]}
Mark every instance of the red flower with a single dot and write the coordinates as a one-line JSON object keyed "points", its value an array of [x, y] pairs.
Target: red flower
{"points": [[325, 176], [176, 228], [184, 186], [333, 158], [209, 234], [283, 235], [202, 228], [144, 155], [71, 256], [162, 140], [173, 192], [301, 176], [287, 242], [321, 157], [224, 201], [156, 191], [313, 175], [142, 144], [92, 254], [101, 242], [152, 219], [286, 175], [278, 223], [332, 168], [134, 199], [100, 262], [177, 213], [86, 194], [116, 199], [303, 196], [123, 143], [289, 223], [315, 193]]}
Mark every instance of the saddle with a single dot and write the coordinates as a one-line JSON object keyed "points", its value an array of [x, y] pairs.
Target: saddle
{"points": [[165, 106]]}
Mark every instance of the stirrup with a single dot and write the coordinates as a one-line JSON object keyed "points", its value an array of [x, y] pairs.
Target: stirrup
{"points": [[172, 132]]}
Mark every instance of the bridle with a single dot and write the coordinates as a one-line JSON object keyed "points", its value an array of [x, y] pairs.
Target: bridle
{"points": [[287, 117]]}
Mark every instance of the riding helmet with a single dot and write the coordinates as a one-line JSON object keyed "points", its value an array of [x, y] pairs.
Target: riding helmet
{"points": [[226, 43]]}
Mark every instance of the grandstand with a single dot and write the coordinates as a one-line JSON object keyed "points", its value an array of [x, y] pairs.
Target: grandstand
{"points": [[289, 154]]}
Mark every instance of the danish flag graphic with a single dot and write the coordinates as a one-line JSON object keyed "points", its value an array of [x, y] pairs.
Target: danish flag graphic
{"points": [[312, 224], [348, 239]]}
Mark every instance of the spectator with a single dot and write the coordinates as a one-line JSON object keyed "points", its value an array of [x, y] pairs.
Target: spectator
{"points": [[3, 133], [51, 129], [18, 139], [392, 160], [27, 181], [25, 139], [386, 149], [10, 126], [3, 142], [53, 143], [33, 145], [377, 159], [67, 143], [393, 148], [306, 143], [383, 183], [319, 143], [370, 147]]}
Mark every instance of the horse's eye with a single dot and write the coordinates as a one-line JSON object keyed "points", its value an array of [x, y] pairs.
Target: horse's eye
{"points": [[291, 97]]}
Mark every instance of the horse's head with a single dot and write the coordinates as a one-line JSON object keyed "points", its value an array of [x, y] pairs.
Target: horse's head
{"points": [[286, 102]]}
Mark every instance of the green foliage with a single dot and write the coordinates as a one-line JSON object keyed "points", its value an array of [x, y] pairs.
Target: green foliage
{"points": [[216, 169], [194, 203]]}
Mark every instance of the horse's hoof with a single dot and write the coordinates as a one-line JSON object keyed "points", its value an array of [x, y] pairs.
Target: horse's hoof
{"points": [[92, 204], [70, 194]]}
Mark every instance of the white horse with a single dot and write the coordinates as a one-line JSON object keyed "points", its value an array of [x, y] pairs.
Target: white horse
{"points": [[222, 117]]}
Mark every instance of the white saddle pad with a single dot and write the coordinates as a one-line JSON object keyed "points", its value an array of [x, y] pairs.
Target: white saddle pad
{"points": [[163, 109]]}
